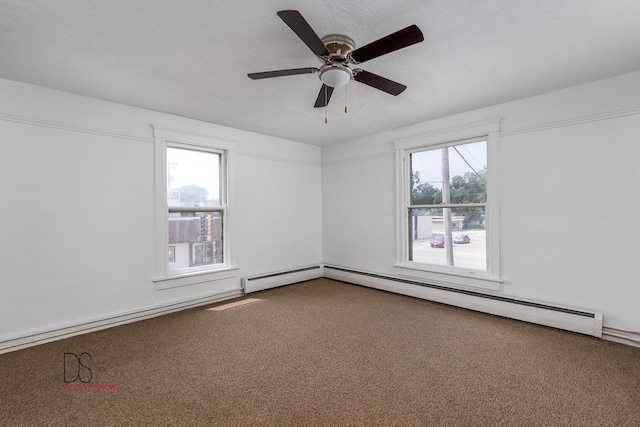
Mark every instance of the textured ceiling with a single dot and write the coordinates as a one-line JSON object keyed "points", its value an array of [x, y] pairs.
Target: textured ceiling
{"points": [[191, 58]]}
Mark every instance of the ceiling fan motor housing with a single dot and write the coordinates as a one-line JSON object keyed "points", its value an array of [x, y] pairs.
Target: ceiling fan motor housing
{"points": [[339, 46], [335, 72]]}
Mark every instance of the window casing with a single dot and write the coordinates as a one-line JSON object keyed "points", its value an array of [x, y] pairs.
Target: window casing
{"points": [[447, 189], [194, 222]]}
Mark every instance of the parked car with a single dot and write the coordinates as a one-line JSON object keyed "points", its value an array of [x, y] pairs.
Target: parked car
{"points": [[437, 241], [462, 238]]}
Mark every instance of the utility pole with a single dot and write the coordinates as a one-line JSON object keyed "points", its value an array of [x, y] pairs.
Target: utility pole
{"points": [[446, 212]]}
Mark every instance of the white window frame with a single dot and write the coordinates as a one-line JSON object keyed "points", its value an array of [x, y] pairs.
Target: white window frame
{"points": [[458, 277], [164, 277]]}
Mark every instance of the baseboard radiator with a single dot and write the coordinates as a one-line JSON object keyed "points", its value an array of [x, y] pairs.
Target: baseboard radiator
{"points": [[584, 322], [272, 280]]}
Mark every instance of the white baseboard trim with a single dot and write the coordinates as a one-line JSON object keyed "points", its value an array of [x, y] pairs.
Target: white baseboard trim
{"points": [[36, 337], [585, 322], [622, 336]]}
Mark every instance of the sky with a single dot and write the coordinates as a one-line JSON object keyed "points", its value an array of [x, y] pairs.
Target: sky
{"points": [[190, 167], [429, 163]]}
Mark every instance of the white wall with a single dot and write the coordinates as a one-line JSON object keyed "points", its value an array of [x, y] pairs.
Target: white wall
{"points": [[570, 161], [77, 218], [77, 179]]}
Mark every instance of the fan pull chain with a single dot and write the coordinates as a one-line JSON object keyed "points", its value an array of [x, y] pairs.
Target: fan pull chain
{"points": [[345, 99], [326, 106]]}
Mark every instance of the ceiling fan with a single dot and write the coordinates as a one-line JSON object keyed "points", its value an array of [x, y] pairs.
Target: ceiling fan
{"points": [[340, 57]]}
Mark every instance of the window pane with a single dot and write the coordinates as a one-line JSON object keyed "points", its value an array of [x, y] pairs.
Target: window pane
{"points": [[464, 166], [193, 178], [196, 239], [428, 237]]}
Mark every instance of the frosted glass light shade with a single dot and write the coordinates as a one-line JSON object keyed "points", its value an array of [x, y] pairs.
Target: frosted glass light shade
{"points": [[335, 77]]}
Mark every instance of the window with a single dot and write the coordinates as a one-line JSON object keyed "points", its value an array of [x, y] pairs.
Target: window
{"points": [[448, 196], [448, 211], [194, 205], [193, 208]]}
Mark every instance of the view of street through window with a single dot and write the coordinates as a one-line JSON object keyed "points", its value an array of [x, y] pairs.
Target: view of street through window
{"points": [[467, 255], [447, 210]]}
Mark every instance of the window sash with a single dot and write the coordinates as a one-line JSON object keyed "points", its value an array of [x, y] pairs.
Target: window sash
{"points": [[223, 170], [173, 209], [208, 230], [448, 205]]}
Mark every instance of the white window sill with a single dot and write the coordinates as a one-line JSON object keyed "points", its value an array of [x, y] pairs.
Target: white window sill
{"points": [[450, 278], [194, 277]]}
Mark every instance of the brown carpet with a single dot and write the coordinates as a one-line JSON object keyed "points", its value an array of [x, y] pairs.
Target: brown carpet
{"points": [[325, 353]]}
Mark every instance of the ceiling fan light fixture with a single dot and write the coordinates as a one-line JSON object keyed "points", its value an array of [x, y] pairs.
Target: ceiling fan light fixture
{"points": [[335, 75], [338, 54]]}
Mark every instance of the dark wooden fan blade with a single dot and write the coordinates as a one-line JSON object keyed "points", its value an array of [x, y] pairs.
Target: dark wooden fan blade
{"points": [[379, 82], [392, 42], [280, 73], [324, 96], [297, 23]]}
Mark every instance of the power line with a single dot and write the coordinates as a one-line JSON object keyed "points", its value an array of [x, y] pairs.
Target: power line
{"points": [[465, 160], [471, 154]]}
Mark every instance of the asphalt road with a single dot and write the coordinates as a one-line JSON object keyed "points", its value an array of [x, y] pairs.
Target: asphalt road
{"points": [[469, 255]]}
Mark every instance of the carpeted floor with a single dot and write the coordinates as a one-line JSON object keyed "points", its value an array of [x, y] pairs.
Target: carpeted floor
{"points": [[324, 353]]}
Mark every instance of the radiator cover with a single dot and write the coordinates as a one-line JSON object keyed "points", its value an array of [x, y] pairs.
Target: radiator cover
{"points": [[266, 281], [581, 321]]}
